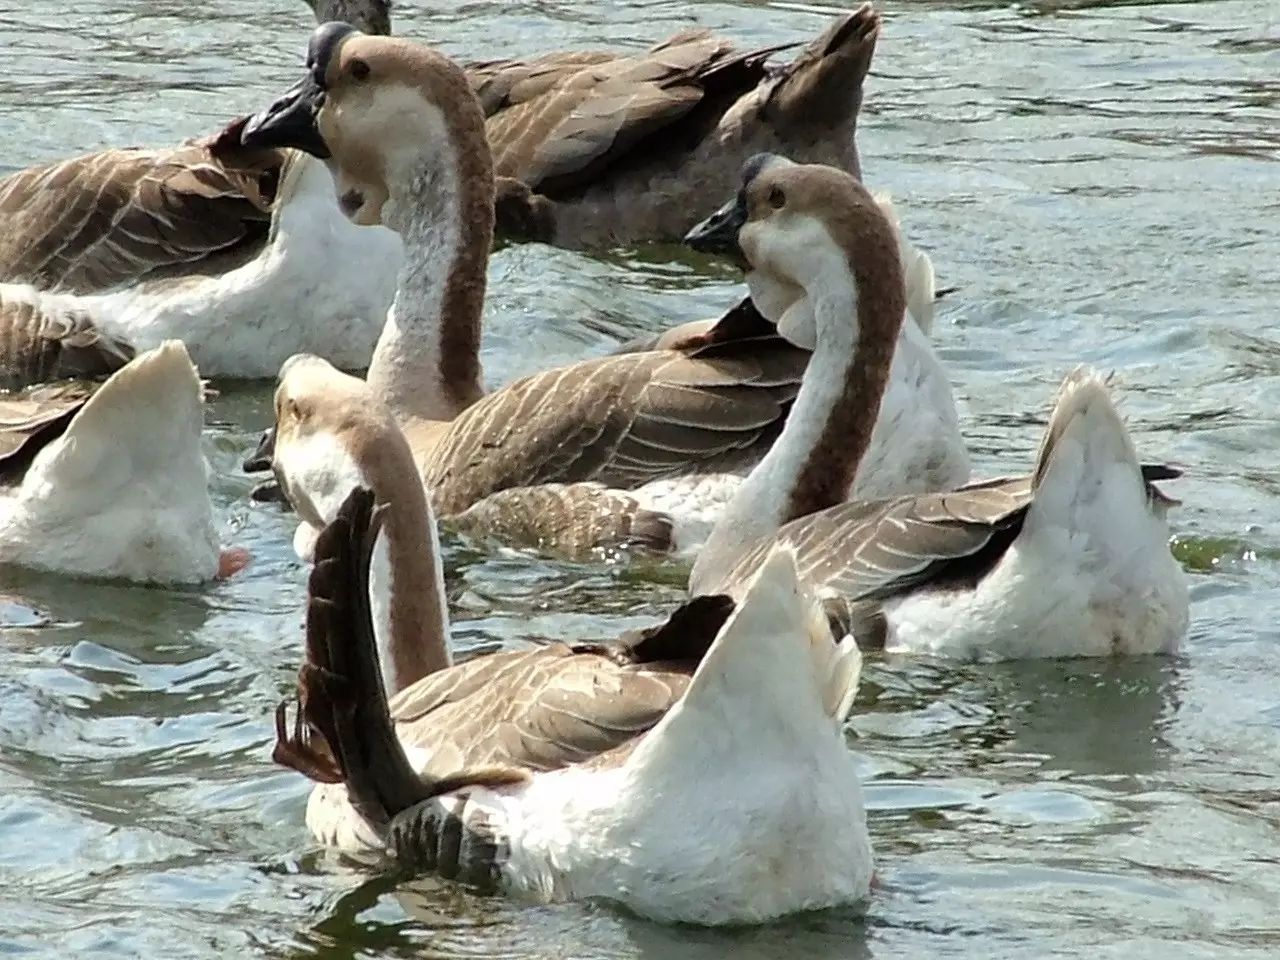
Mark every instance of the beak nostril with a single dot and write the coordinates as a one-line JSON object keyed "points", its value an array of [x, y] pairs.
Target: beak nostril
{"points": [[351, 202]]}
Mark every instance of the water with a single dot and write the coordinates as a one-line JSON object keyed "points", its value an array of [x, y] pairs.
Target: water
{"points": [[1101, 183]]}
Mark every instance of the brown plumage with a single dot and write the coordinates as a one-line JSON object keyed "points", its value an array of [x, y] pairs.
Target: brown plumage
{"points": [[620, 421], [711, 406], [492, 721], [32, 420], [117, 217], [623, 148]]}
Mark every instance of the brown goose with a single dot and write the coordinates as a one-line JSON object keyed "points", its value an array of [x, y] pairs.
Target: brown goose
{"points": [[622, 437], [237, 251], [1073, 560], [694, 772], [596, 148]]}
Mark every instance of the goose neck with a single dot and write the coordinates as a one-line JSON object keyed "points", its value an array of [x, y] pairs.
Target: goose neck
{"points": [[426, 364], [813, 463], [406, 582]]}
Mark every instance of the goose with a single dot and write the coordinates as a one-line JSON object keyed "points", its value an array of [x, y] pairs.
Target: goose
{"points": [[1070, 561], [110, 482], [239, 252], [596, 148], [646, 445], [551, 773]]}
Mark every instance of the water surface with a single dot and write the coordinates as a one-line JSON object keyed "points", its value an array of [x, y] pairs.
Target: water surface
{"points": [[1101, 183]]}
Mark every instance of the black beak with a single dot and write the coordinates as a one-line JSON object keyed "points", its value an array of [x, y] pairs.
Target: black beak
{"points": [[290, 121], [719, 232], [262, 458]]}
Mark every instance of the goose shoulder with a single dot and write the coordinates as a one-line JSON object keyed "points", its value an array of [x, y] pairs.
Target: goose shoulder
{"points": [[115, 217]]}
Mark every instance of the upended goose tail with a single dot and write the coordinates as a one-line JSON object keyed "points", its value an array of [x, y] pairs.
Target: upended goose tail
{"points": [[1085, 445], [823, 85], [755, 747], [124, 491], [1095, 503], [772, 685]]}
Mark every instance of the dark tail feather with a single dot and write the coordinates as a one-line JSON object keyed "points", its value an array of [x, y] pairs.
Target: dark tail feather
{"points": [[823, 86], [340, 694]]}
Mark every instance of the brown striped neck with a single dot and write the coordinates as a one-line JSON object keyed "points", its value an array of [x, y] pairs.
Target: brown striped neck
{"points": [[827, 474], [813, 463], [333, 435], [406, 588], [427, 361]]}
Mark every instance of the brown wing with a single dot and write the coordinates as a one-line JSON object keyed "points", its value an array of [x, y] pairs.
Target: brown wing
{"points": [[870, 551], [103, 219], [500, 83], [30, 421], [38, 345], [621, 421], [534, 710], [557, 125]]}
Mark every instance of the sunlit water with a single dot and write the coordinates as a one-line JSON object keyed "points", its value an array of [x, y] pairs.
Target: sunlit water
{"points": [[1101, 184]]}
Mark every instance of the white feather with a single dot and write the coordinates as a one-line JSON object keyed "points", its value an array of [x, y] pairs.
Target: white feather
{"points": [[124, 491]]}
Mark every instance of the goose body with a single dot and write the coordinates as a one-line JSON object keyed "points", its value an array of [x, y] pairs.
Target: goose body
{"points": [[1071, 561], [110, 482], [245, 284], [553, 773], [639, 446]]}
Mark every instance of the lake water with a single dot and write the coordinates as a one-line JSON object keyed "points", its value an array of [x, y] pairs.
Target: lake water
{"points": [[1099, 180]]}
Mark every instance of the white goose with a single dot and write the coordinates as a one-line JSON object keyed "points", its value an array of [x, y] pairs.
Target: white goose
{"points": [[646, 445], [1073, 560], [112, 483], [693, 773]]}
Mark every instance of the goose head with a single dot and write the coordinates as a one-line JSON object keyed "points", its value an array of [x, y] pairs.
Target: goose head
{"points": [[367, 16], [799, 229], [385, 114], [327, 430]]}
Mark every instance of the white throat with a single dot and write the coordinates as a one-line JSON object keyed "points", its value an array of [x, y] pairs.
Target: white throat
{"points": [[759, 507], [407, 364]]}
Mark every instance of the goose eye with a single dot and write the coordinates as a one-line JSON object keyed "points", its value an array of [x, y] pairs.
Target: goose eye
{"points": [[777, 199], [359, 70]]}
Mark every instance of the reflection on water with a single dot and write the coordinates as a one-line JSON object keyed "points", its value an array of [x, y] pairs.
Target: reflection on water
{"points": [[1100, 182]]}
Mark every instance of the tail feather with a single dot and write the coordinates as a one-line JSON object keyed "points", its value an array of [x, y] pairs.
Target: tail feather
{"points": [[823, 85], [772, 677], [1085, 419], [137, 438], [344, 733], [340, 694]]}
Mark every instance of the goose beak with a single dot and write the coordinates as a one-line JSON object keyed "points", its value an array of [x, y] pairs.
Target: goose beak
{"points": [[290, 121], [261, 458], [719, 232]]}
